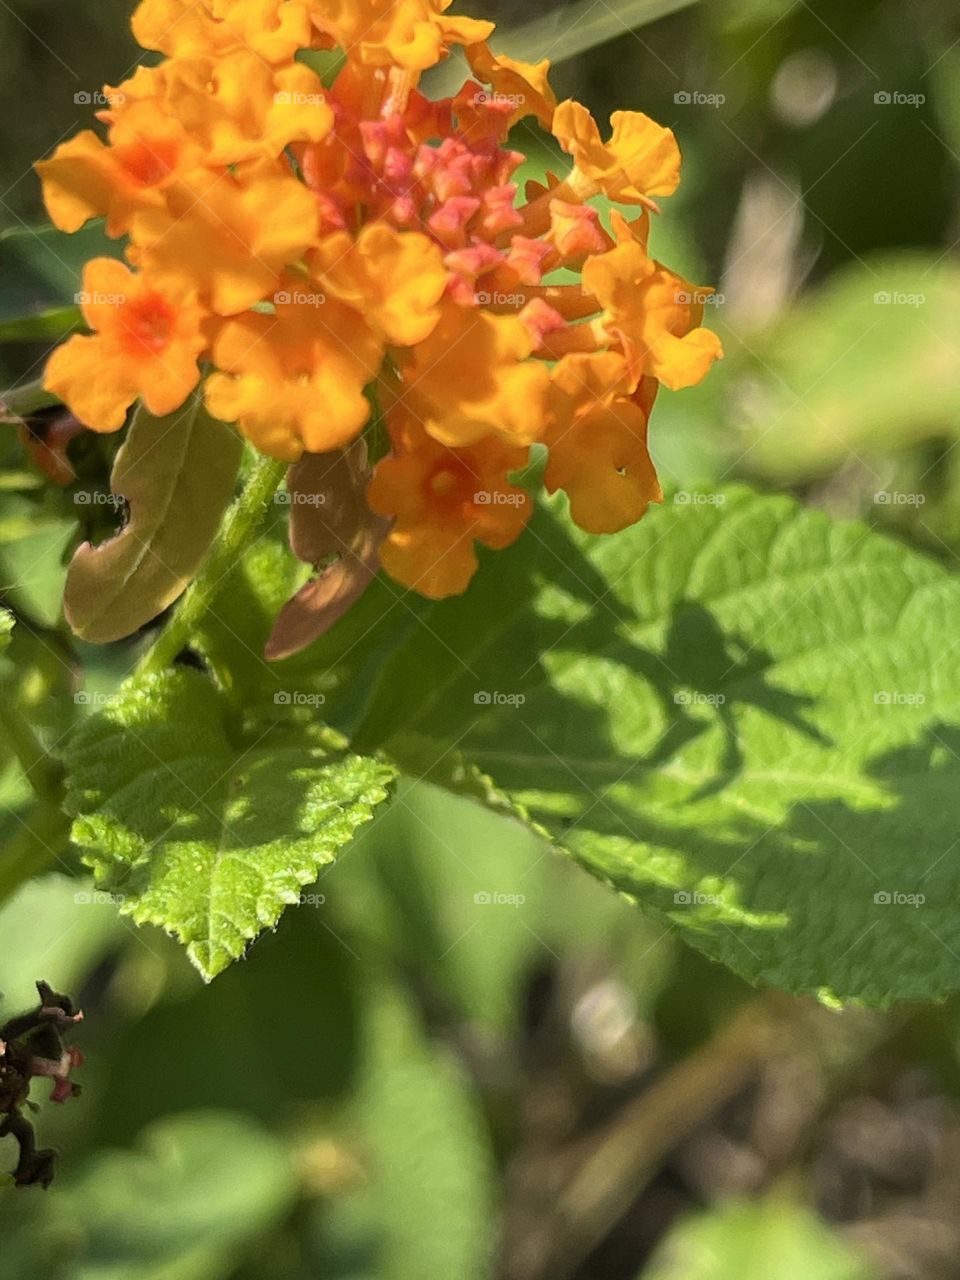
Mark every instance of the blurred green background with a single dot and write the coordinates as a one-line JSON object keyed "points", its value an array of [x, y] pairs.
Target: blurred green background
{"points": [[460, 1058]]}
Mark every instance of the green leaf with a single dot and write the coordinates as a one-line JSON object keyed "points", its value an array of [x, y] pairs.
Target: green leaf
{"points": [[177, 473], [204, 829], [738, 1240], [47, 326], [6, 627], [886, 325], [739, 712], [200, 1189], [42, 267], [77, 930], [431, 1162], [33, 545], [566, 31]]}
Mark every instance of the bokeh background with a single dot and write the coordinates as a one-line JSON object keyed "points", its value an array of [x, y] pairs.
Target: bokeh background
{"points": [[461, 1058]]}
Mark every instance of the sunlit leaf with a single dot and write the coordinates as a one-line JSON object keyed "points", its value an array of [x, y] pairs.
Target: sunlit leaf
{"points": [[202, 829]]}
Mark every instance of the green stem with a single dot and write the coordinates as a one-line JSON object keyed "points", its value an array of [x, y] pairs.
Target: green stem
{"points": [[42, 771], [240, 527], [22, 401]]}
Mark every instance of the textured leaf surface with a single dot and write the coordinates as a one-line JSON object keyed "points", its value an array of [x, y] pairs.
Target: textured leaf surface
{"points": [[203, 830], [739, 712], [177, 474]]}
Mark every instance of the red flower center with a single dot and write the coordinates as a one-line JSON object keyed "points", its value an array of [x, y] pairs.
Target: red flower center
{"points": [[147, 323]]}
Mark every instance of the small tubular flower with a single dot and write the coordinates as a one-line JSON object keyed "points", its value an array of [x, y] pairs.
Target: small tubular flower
{"points": [[354, 271], [654, 314], [471, 378], [324, 246], [442, 501], [295, 380], [640, 161], [86, 178], [230, 235], [598, 443], [146, 343]]}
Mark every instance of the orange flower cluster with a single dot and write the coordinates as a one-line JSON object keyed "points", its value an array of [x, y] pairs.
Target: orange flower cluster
{"points": [[329, 243]]}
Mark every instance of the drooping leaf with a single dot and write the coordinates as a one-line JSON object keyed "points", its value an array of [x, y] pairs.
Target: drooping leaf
{"points": [[204, 830], [742, 714], [329, 521], [177, 474]]}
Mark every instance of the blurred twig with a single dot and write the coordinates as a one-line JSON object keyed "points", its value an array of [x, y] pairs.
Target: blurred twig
{"points": [[613, 1165]]}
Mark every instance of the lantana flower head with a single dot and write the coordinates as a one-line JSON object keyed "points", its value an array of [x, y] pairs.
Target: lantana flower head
{"points": [[321, 251]]}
